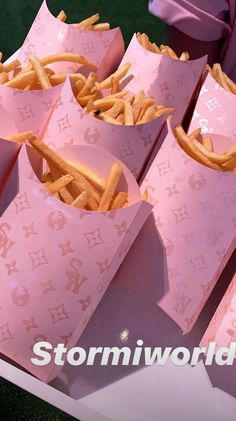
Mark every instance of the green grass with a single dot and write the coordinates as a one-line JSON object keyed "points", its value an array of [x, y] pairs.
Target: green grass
{"points": [[16, 17]]}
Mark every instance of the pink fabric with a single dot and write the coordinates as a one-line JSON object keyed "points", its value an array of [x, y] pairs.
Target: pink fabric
{"points": [[205, 20]]}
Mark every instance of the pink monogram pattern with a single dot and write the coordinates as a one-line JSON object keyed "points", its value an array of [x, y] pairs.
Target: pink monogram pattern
{"points": [[222, 328], [171, 82], [53, 275], [104, 49], [194, 224], [214, 110], [71, 125]]}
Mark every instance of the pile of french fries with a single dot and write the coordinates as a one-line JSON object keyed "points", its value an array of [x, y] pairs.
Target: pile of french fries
{"points": [[222, 78], [107, 101], [201, 148], [89, 24], [77, 185], [144, 40], [36, 75]]}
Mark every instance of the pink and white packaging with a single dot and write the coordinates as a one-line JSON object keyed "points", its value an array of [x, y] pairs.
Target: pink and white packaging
{"points": [[48, 35], [70, 124], [171, 82], [56, 261], [194, 211], [222, 328], [30, 110], [214, 111]]}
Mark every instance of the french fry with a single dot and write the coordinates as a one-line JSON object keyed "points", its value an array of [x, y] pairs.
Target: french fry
{"points": [[230, 165], [148, 115], [111, 185], [97, 181], [106, 103], [115, 85], [20, 137], [184, 56], [65, 195], [195, 134], [60, 183], [86, 23], [4, 77], [62, 16], [40, 72], [166, 50], [9, 67], [119, 74], [145, 195], [100, 27], [148, 102], [128, 114], [119, 201], [230, 151], [120, 119], [108, 119], [81, 200], [64, 168], [231, 84], [212, 156], [207, 143], [83, 101], [89, 84], [187, 145], [22, 80], [117, 108], [219, 76]]}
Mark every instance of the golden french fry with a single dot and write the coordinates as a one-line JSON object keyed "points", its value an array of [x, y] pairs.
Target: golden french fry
{"points": [[4, 77], [108, 119], [79, 84], [148, 102], [195, 134], [111, 185], [128, 114], [20, 137], [166, 50], [81, 200], [62, 166], [187, 145], [207, 143], [145, 195], [92, 177], [86, 23], [106, 103], [121, 119], [213, 156], [163, 110], [89, 84], [119, 201], [184, 56], [83, 101], [100, 27], [119, 74], [9, 67], [90, 106], [22, 80], [219, 76], [117, 108], [230, 165], [64, 194], [62, 16], [115, 85], [156, 49], [148, 115], [60, 183], [231, 84], [40, 72]]}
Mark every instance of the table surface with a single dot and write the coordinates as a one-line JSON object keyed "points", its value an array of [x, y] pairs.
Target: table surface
{"points": [[16, 18]]}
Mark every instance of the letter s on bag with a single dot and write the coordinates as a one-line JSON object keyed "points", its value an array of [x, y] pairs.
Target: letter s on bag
{"points": [[45, 356]]}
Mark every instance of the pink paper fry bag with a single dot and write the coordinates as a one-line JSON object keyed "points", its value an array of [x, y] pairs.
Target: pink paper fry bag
{"points": [[215, 110], [8, 152], [59, 260], [70, 124], [222, 328], [48, 35], [194, 211], [171, 82], [30, 110]]}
